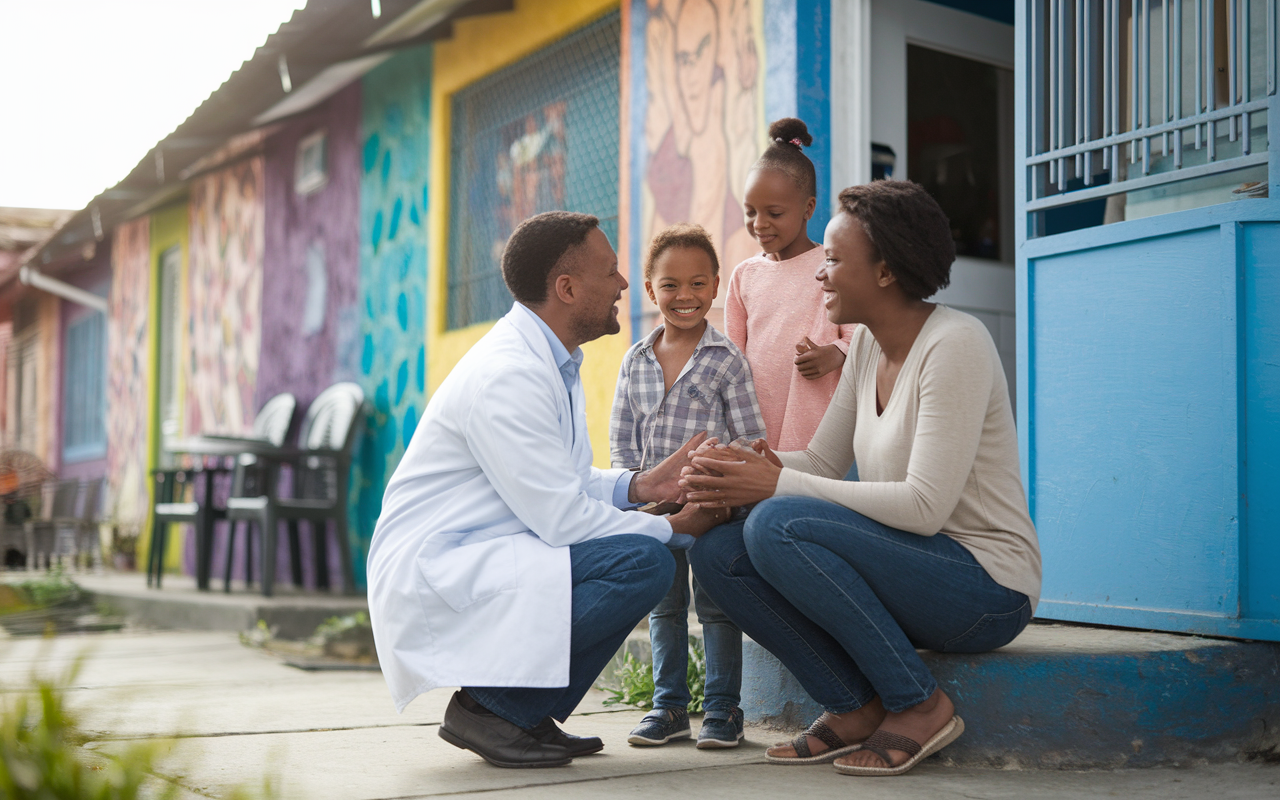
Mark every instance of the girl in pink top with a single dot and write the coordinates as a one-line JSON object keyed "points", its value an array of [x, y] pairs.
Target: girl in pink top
{"points": [[774, 311]]}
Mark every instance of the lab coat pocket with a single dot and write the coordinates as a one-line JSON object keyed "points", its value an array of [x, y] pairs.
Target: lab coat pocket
{"points": [[465, 574]]}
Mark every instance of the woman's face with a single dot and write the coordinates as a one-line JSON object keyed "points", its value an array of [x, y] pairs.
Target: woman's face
{"points": [[850, 274]]}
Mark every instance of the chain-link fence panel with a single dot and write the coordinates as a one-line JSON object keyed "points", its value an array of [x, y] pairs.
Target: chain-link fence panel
{"points": [[540, 135]]}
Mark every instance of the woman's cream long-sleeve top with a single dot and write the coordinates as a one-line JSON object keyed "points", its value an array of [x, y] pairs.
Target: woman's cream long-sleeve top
{"points": [[941, 458]]}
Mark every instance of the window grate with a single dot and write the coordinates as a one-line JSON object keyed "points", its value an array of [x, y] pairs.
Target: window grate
{"points": [[539, 135], [1132, 94]]}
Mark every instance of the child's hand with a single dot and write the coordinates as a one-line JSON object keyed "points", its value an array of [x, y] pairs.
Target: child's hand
{"points": [[762, 448], [813, 361]]}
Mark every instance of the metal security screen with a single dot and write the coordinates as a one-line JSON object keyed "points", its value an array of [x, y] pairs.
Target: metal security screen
{"points": [[540, 135], [1130, 94]]}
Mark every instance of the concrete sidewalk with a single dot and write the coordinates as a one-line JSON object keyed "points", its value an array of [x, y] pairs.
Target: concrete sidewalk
{"points": [[243, 714]]}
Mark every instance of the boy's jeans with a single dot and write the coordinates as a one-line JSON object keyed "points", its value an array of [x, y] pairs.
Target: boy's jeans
{"points": [[669, 637]]}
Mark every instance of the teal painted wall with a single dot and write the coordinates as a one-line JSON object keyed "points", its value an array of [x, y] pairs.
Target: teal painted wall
{"points": [[394, 194]]}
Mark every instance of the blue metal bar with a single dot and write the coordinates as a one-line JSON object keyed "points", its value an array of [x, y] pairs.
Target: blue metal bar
{"points": [[1157, 179], [1155, 130]]}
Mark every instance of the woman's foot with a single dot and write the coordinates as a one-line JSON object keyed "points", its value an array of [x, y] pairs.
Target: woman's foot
{"points": [[852, 727], [919, 723]]}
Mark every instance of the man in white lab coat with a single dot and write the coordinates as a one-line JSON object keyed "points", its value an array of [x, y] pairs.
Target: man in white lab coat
{"points": [[503, 561]]}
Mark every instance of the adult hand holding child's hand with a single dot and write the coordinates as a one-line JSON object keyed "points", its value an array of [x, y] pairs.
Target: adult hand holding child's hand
{"points": [[727, 476]]}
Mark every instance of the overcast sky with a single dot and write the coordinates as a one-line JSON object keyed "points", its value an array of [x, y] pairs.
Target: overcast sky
{"points": [[87, 87]]}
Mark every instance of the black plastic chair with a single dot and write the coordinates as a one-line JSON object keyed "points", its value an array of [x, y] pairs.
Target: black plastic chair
{"points": [[270, 426], [321, 473]]}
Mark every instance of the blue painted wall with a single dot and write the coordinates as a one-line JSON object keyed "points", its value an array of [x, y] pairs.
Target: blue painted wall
{"points": [[1151, 357], [393, 269], [1259, 248], [798, 83]]}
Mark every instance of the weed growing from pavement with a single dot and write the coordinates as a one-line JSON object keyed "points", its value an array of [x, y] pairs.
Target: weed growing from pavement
{"points": [[634, 679], [43, 754]]}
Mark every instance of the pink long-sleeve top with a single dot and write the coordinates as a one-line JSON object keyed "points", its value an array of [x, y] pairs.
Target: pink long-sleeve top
{"points": [[770, 307]]}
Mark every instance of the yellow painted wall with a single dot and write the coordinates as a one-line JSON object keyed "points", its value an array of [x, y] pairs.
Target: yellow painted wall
{"points": [[480, 46], [170, 226]]}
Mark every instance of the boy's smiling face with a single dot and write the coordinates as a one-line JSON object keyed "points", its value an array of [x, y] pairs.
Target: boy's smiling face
{"points": [[682, 286]]}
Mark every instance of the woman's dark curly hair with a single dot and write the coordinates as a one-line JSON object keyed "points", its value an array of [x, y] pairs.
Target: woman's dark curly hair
{"points": [[536, 247], [787, 138], [682, 234], [908, 231]]}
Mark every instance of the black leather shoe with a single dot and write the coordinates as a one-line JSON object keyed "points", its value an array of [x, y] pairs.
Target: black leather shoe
{"points": [[496, 740], [547, 731]]}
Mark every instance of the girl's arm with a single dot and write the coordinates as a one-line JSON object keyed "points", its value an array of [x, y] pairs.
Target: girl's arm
{"points": [[735, 313], [741, 410], [624, 446]]}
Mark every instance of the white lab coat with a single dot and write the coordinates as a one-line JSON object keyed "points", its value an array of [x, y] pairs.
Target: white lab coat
{"points": [[469, 572]]}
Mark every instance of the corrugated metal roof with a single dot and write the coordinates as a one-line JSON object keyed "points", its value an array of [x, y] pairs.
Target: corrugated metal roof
{"points": [[322, 34]]}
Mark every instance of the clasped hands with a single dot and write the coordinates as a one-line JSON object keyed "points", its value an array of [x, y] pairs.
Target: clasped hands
{"points": [[711, 479]]}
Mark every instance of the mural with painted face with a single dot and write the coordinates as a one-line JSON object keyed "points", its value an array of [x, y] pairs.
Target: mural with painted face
{"points": [[702, 126]]}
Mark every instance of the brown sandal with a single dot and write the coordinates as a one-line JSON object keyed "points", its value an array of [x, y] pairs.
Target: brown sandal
{"points": [[836, 746], [881, 742]]}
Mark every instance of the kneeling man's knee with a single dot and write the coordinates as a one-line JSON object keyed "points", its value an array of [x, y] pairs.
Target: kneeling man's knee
{"points": [[655, 567]]}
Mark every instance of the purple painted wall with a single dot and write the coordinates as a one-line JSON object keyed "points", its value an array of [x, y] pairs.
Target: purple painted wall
{"points": [[310, 282], [308, 346], [94, 276]]}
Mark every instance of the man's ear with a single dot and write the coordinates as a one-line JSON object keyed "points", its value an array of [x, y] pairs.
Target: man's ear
{"points": [[562, 286]]}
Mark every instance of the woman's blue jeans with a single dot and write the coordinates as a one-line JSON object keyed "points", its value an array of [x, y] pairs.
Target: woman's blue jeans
{"points": [[669, 636], [844, 601]]}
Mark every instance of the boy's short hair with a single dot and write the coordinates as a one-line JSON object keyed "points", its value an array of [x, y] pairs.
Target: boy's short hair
{"points": [[682, 234]]}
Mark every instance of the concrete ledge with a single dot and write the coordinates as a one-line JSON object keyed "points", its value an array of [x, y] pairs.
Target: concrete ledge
{"points": [[1074, 697], [179, 606]]}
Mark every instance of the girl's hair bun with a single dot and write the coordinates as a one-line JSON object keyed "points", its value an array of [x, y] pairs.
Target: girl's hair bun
{"points": [[789, 128]]}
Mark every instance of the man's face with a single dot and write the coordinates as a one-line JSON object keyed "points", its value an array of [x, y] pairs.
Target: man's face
{"points": [[599, 286]]}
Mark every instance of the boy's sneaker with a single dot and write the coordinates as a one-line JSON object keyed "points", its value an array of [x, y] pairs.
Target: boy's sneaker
{"points": [[719, 731], [660, 726]]}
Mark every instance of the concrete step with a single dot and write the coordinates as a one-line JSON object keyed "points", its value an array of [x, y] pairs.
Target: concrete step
{"points": [[180, 606], [1066, 696]]}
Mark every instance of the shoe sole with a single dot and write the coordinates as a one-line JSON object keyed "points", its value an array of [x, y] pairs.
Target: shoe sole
{"points": [[644, 741], [718, 744], [461, 744]]}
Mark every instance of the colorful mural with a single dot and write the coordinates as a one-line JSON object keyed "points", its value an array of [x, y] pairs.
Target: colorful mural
{"points": [[394, 196], [701, 63], [224, 292], [129, 354]]}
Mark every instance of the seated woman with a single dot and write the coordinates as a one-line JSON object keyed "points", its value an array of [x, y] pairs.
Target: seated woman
{"points": [[933, 547]]}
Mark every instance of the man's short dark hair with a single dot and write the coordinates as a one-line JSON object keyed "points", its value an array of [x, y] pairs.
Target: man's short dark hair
{"points": [[908, 231], [535, 249]]}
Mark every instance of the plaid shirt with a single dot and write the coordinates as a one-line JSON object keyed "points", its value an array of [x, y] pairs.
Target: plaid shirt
{"points": [[713, 393]]}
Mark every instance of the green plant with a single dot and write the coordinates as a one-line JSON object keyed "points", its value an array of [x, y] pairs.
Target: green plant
{"points": [[258, 636], [49, 590], [635, 680], [334, 627], [42, 753]]}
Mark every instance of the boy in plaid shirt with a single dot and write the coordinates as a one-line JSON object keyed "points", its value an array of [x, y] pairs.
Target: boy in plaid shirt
{"points": [[684, 378]]}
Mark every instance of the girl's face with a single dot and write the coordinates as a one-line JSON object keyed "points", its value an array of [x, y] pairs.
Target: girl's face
{"points": [[776, 210], [682, 286], [851, 277]]}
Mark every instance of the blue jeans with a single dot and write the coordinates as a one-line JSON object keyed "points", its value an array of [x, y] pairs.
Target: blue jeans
{"points": [[669, 636], [615, 581], [844, 601]]}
